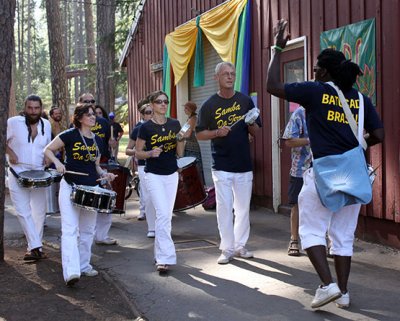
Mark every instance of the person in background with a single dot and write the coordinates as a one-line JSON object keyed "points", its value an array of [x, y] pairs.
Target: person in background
{"points": [[296, 137], [27, 136], [157, 143], [56, 116], [82, 149], [192, 147], [116, 134], [101, 129], [327, 137], [101, 112], [232, 166], [146, 206]]}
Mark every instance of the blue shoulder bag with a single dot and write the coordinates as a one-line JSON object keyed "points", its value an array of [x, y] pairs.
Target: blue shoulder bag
{"points": [[343, 179]]}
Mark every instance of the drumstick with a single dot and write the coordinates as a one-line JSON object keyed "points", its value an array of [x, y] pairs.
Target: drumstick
{"points": [[76, 173]]}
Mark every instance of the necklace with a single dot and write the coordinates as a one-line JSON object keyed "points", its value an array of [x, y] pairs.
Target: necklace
{"points": [[92, 159], [161, 124]]}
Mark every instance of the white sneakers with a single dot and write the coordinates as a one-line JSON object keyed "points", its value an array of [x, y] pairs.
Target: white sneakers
{"points": [[326, 294], [151, 234], [141, 217], [344, 301], [107, 241], [225, 257], [244, 253], [91, 272]]}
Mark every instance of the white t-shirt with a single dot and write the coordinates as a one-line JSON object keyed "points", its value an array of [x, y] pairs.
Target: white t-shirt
{"points": [[31, 152]]}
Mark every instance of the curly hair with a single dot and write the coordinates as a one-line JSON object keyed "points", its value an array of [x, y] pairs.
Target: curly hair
{"points": [[344, 72]]}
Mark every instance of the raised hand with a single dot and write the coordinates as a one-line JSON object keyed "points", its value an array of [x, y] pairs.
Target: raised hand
{"points": [[280, 34]]}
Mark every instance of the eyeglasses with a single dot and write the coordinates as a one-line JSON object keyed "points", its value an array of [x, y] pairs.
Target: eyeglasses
{"points": [[228, 74], [316, 68], [92, 101], [160, 101], [148, 112], [90, 114]]}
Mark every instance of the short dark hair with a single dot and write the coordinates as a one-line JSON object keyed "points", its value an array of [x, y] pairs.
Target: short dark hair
{"points": [[79, 112], [53, 108], [33, 98], [343, 71], [155, 94]]}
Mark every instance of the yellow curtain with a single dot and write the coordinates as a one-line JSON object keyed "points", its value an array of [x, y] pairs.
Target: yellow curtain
{"points": [[220, 25], [180, 45]]}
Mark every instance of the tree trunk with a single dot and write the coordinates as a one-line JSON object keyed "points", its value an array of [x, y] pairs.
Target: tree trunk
{"points": [[105, 54], [57, 62], [6, 52], [28, 69], [90, 48]]}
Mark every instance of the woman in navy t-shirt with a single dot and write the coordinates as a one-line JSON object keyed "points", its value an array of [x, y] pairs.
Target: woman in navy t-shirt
{"points": [[157, 144], [82, 151]]}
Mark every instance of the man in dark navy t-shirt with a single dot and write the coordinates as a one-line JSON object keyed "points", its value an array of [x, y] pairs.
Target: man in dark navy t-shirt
{"points": [[221, 120]]}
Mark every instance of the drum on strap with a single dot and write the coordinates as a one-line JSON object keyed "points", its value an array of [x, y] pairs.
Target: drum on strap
{"points": [[53, 191], [34, 179], [119, 184], [190, 188], [93, 198]]}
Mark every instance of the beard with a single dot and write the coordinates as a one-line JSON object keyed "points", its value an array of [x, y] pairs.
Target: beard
{"points": [[32, 119]]}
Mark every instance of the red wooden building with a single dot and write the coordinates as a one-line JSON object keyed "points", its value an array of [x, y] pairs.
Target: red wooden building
{"points": [[143, 59]]}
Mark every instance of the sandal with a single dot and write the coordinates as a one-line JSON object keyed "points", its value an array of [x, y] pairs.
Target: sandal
{"points": [[293, 249]]}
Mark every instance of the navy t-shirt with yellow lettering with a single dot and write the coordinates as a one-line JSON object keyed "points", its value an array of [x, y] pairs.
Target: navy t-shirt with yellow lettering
{"points": [[232, 152], [102, 129], [77, 157], [161, 135], [328, 129]]}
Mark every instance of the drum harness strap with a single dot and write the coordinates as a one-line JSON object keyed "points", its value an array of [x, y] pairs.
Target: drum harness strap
{"points": [[14, 173]]}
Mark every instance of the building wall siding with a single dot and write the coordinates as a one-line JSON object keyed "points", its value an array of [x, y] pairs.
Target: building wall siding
{"points": [[306, 18]]}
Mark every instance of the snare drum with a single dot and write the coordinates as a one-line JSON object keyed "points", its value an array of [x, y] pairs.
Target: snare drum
{"points": [[53, 191], [190, 188], [34, 179], [93, 198]]}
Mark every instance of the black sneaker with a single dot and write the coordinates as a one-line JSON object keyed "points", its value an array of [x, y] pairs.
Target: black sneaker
{"points": [[34, 255]]}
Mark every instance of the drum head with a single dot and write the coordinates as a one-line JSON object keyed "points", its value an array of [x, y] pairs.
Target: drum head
{"points": [[185, 161], [35, 175]]}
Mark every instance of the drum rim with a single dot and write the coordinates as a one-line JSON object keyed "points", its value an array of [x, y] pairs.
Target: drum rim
{"points": [[97, 192], [47, 176], [190, 206], [187, 165]]}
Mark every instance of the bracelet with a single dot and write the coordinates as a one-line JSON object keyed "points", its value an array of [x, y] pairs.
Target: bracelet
{"points": [[150, 153], [216, 133], [277, 48]]}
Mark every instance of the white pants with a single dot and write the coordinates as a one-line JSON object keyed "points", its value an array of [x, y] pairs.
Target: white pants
{"points": [[77, 231], [30, 205], [233, 192], [146, 206], [315, 220], [162, 192], [103, 225]]}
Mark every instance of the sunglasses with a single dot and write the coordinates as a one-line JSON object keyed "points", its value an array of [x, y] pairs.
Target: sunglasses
{"points": [[90, 114], [148, 112], [89, 101], [160, 101]]}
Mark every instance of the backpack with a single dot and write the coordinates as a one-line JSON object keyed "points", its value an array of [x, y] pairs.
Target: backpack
{"points": [[210, 202]]}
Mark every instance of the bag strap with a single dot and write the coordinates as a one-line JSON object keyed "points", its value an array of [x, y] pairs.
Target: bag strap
{"points": [[357, 130]]}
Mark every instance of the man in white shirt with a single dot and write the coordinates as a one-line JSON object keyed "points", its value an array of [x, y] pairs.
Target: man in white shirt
{"points": [[27, 137]]}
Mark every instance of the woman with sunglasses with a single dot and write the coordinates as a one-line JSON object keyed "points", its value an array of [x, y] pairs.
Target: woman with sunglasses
{"points": [[82, 154], [146, 209], [157, 143]]}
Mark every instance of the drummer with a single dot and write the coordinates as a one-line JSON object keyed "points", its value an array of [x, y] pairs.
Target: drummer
{"points": [[157, 144], [82, 156], [27, 135]]}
